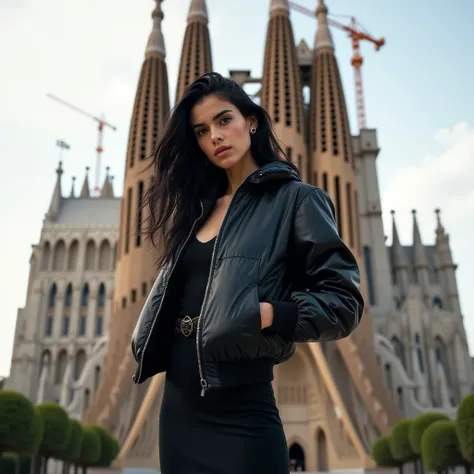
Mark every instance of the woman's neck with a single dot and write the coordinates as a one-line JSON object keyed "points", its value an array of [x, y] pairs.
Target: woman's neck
{"points": [[238, 173]]}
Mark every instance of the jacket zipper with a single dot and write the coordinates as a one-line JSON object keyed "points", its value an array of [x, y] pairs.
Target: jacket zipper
{"points": [[204, 383], [166, 288]]}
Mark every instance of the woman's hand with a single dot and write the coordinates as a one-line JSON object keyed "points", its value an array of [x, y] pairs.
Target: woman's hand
{"points": [[266, 314]]}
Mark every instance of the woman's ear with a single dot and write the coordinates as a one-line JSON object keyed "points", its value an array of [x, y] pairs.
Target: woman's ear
{"points": [[253, 122]]}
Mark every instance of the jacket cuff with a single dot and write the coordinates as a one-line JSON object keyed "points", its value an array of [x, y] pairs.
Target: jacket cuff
{"points": [[285, 315]]}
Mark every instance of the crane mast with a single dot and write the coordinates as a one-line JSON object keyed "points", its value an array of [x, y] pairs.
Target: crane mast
{"points": [[100, 127], [356, 34]]}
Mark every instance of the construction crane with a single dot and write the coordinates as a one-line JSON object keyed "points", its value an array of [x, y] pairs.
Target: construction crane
{"points": [[354, 31], [102, 123]]}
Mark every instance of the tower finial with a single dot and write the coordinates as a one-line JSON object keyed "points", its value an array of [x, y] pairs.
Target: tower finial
{"points": [[419, 255], [107, 190], [279, 5], [156, 41], [85, 192], [439, 226], [198, 9], [72, 187], [57, 194], [323, 37]]}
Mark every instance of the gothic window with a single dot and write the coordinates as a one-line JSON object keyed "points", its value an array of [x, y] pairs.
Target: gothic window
{"points": [[67, 311], [61, 363], [83, 311], [437, 302], [419, 353], [399, 350], [59, 256], [46, 258], [297, 461], [99, 321], [89, 263], [368, 270], [105, 256], [48, 332], [80, 363], [139, 215], [388, 376], [72, 256], [400, 398]]}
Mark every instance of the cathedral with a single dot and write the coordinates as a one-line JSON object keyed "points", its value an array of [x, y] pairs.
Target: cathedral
{"points": [[91, 272]]}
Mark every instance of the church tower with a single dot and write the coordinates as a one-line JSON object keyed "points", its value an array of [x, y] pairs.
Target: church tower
{"points": [[281, 93], [352, 360], [196, 57], [135, 270]]}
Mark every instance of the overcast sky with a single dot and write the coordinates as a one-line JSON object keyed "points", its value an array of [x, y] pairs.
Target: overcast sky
{"points": [[418, 90]]}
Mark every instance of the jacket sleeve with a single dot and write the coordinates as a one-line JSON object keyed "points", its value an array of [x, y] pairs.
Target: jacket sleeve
{"points": [[326, 303]]}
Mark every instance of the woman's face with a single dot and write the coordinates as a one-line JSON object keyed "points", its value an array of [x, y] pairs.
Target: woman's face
{"points": [[222, 132]]}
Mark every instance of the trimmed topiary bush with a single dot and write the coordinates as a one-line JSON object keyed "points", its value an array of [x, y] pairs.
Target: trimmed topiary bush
{"points": [[382, 454], [465, 427], [419, 425], [440, 446], [19, 424], [400, 443]]}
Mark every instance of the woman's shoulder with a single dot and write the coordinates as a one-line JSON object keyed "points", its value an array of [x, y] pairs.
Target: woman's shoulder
{"points": [[300, 190]]}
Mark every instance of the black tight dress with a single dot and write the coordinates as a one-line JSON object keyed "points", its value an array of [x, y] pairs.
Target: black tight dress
{"points": [[234, 430]]}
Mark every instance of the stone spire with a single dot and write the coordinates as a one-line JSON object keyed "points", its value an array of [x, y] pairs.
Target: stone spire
{"points": [[439, 226], [156, 41], [331, 157], [281, 93], [107, 190], [323, 38], [419, 254], [196, 55], [57, 195], [135, 258], [85, 192], [72, 194], [399, 258]]}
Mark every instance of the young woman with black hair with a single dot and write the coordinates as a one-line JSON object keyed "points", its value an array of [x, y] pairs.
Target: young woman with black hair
{"points": [[250, 264]]}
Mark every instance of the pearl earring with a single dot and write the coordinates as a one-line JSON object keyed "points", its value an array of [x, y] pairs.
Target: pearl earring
{"points": [[253, 130]]}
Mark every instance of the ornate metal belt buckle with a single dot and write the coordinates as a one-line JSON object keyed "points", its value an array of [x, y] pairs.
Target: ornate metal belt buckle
{"points": [[186, 326]]}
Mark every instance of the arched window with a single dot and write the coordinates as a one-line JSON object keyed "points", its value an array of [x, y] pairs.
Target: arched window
{"points": [[67, 310], [437, 302], [419, 352], [48, 331], [297, 460], [81, 330], [100, 310]]}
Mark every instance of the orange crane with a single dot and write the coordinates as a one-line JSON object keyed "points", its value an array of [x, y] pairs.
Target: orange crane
{"points": [[102, 123], [356, 34]]}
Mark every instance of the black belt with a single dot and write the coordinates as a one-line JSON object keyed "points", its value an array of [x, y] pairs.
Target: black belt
{"points": [[186, 326]]}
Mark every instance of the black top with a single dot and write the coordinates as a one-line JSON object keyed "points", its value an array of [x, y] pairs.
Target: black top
{"points": [[193, 273]]}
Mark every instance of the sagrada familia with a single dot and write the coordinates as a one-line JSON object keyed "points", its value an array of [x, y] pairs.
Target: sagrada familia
{"points": [[91, 272]]}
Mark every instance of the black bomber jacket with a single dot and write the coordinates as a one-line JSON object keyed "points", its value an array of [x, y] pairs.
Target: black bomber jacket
{"points": [[278, 243]]}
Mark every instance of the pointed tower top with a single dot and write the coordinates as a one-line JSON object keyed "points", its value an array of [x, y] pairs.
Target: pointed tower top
{"points": [[323, 38], [85, 187], [72, 187], [156, 41], [280, 5], [439, 226], [198, 10], [57, 195], [107, 190], [398, 253], [419, 255]]}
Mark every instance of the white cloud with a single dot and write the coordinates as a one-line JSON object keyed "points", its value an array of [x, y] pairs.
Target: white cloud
{"points": [[443, 179]]}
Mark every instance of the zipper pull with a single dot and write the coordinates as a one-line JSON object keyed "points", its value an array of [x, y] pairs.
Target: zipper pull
{"points": [[204, 387]]}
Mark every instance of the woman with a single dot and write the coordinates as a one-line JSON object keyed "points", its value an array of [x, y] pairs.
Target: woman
{"points": [[251, 263]]}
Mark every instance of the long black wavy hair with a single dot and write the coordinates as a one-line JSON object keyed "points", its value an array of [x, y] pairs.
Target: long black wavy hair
{"points": [[181, 176]]}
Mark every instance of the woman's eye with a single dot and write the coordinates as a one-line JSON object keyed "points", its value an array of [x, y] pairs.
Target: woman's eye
{"points": [[224, 120], [201, 132]]}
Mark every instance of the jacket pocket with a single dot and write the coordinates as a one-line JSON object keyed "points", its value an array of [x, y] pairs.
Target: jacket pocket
{"points": [[231, 320]]}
